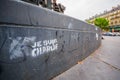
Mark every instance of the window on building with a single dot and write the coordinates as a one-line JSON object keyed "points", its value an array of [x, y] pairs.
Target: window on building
{"points": [[111, 22], [115, 22]]}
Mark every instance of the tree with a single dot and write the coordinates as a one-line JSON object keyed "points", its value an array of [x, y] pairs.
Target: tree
{"points": [[102, 23], [88, 21]]}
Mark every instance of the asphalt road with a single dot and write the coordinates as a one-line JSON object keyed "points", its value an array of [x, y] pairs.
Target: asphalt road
{"points": [[103, 64]]}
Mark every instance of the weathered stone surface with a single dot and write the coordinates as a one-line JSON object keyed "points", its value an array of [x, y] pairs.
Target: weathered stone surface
{"points": [[38, 44]]}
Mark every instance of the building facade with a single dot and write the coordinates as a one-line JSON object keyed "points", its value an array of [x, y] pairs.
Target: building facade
{"points": [[112, 15]]}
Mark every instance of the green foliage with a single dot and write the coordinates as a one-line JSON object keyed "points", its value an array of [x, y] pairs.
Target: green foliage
{"points": [[102, 23], [88, 21]]}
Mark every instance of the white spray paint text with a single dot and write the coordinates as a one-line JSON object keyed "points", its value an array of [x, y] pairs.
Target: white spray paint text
{"points": [[45, 46], [28, 46]]}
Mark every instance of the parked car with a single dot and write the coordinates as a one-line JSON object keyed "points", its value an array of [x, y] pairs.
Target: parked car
{"points": [[111, 34], [108, 34], [117, 34]]}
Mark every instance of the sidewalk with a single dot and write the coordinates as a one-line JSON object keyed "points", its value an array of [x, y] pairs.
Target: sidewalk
{"points": [[103, 64]]}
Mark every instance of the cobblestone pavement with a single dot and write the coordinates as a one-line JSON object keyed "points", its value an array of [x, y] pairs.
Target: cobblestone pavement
{"points": [[103, 64]]}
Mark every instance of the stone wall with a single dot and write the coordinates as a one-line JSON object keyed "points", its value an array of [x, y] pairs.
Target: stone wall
{"points": [[39, 44]]}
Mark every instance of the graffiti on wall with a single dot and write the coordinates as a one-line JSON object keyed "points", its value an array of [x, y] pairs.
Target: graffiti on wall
{"points": [[28, 46], [42, 47]]}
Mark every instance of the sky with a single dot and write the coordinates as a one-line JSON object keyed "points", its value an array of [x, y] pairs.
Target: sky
{"points": [[83, 9]]}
